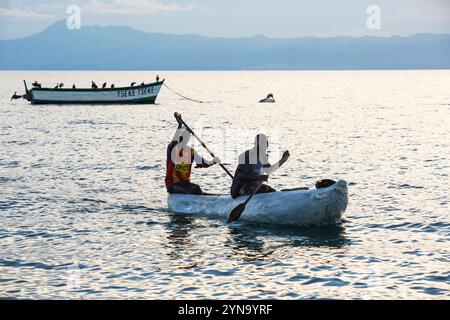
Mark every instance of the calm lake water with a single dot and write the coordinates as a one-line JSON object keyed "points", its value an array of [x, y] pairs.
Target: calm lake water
{"points": [[83, 205]]}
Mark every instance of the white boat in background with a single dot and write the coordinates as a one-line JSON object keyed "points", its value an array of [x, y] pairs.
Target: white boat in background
{"points": [[139, 94], [268, 99], [296, 207]]}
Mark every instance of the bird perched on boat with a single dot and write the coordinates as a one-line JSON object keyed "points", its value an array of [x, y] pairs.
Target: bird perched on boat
{"points": [[142, 83], [104, 85], [16, 96], [254, 168], [73, 86], [57, 86], [179, 163], [133, 83], [36, 84], [61, 85], [94, 85], [112, 85], [157, 78]]}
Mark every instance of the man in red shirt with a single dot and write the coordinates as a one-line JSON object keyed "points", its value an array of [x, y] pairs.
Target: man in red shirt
{"points": [[179, 164]]}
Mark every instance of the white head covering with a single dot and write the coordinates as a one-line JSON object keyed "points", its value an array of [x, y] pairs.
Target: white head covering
{"points": [[182, 136]]}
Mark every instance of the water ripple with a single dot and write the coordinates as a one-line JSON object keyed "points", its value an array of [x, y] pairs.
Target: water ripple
{"points": [[84, 208]]}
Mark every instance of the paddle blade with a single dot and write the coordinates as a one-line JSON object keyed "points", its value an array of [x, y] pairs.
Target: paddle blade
{"points": [[236, 213]]}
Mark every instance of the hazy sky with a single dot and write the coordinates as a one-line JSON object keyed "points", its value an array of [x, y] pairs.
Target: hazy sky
{"points": [[233, 18]]}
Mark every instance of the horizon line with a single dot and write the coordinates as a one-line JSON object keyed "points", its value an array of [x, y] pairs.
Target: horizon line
{"points": [[229, 37]]}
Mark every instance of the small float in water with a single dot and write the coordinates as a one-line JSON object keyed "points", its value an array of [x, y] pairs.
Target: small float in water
{"points": [[268, 99], [295, 207], [140, 94]]}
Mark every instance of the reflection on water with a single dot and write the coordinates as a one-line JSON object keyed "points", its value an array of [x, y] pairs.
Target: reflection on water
{"points": [[247, 240], [83, 206], [180, 229], [246, 246]]}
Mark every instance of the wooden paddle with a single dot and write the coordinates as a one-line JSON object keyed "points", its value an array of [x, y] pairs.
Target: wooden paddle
{"points": [[237, 211], [295, 189], [178, 117]]}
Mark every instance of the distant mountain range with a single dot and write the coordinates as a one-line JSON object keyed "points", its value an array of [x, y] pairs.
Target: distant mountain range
{"points": [[124, 48]]}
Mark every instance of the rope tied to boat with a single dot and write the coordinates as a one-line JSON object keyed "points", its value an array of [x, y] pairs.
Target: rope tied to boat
{"points": [[184, 97]]}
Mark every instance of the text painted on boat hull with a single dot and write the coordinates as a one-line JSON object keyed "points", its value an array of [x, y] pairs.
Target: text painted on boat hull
{"points": [[135, 92]]}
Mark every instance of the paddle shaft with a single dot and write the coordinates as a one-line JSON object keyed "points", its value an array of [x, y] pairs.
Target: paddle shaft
{"points": [[178, 117], [236, 213], [254, 192]]}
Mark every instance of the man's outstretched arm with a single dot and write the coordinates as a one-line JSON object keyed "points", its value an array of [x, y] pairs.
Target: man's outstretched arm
{"points": [[176, 135], [275, 167], [203, 163]]}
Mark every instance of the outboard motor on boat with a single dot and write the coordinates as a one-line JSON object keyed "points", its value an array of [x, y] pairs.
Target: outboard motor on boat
{"points": [[16, 96]]}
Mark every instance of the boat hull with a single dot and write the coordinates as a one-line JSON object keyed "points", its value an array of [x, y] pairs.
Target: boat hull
{"points": [[143, 94], [267, 100], [297, 208]]}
